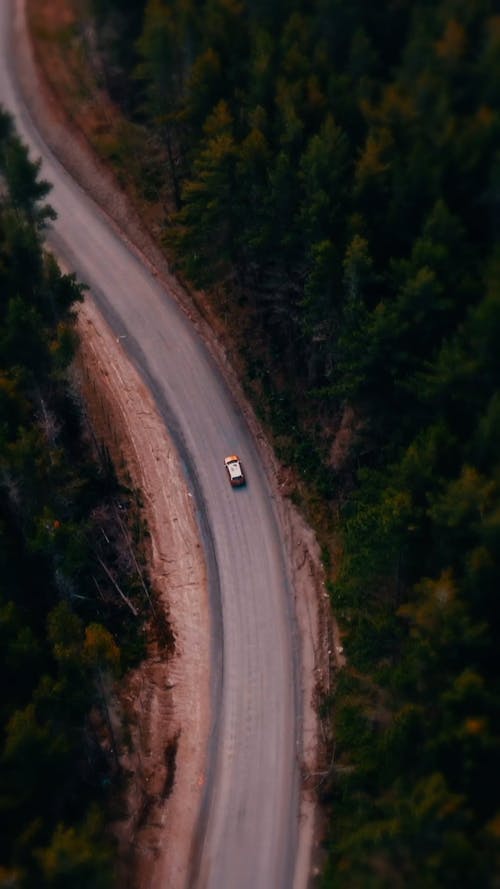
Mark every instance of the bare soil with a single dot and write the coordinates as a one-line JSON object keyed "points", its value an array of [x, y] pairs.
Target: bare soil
{"points": [[166, 701]]}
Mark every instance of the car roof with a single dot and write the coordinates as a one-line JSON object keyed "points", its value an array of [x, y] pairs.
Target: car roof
{"points": [[232, 459]]}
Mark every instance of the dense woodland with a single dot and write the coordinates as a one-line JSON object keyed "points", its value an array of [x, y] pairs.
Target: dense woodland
{"points": [[333, 170], [64, 630]]}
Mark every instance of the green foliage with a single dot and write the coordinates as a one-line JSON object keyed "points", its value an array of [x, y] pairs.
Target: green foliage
{"points": [[77, 856], [336, 171], [61, 622], [26, 190], [209, 202]]}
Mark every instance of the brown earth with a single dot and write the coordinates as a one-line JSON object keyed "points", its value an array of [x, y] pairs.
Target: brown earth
{"points": [[166, 701]]}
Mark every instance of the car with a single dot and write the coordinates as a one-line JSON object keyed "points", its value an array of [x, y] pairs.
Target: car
{"points": [[234, 470]]}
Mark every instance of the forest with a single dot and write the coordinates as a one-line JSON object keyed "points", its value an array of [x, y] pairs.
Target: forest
{"points": [[65, 633], [330, 172]]}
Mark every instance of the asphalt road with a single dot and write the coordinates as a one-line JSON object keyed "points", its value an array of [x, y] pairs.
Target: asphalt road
{"points": [[249, 824]]}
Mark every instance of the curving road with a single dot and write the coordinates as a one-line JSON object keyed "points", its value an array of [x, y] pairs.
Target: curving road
{"points": [[248, 827]]}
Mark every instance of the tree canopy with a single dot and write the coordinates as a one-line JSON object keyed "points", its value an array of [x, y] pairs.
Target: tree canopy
{"points": [[62, 627], [334, 170]]}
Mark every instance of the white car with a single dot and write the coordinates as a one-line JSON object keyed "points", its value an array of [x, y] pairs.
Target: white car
{"points": [[234, 470]]}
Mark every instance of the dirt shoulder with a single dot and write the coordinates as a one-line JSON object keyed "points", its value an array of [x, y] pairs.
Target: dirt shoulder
{"points": [[168, 702], [164, 703]]}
